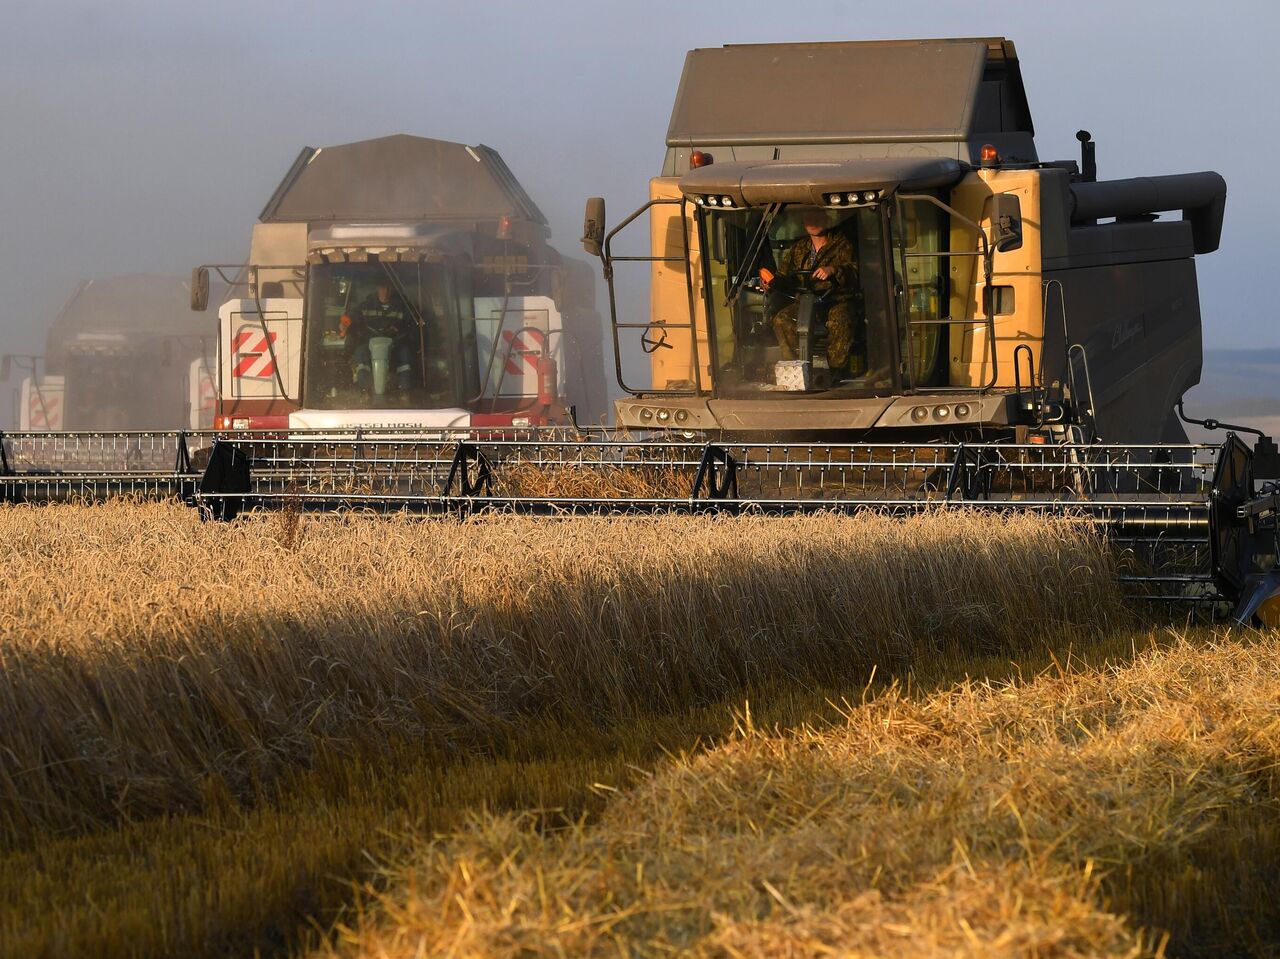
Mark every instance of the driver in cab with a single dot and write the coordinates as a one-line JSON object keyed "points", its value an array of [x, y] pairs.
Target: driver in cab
{"points": [[828, 258], [382, 313]]}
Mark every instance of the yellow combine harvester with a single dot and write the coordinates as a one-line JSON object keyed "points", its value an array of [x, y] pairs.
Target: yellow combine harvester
{"points": [[976, 290]]}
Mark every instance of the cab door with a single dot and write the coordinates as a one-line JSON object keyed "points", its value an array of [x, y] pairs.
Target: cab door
{"points": [[919, 239]]}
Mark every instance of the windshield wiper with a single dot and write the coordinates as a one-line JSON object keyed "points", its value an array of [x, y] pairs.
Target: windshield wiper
{"points": [[753, 251], [416, 311], [404, 294]]}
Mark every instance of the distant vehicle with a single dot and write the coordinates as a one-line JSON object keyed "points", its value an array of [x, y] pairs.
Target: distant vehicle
{"points": [[124, 353], [490, 326], [996, 295]]}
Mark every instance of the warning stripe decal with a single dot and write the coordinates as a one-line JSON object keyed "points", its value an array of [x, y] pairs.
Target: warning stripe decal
{"points": [[252, 354]]}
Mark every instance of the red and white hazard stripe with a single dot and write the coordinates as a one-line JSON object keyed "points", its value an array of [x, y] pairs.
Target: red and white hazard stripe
{"points": [[523, 349], [208, 392], [46, 415], [251, 354]]}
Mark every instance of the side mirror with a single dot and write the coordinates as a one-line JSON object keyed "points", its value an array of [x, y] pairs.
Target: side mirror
{"points": [[1006, 222], [593, 226], [200, 289], [6, 367]]}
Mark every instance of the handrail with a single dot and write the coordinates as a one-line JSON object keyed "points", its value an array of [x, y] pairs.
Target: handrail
{"points": [[988, 319], [1088, 382], [1031, 375], [609, 259]]}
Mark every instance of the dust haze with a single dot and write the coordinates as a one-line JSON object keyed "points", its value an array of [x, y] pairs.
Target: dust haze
{"points": [[144, 137]]}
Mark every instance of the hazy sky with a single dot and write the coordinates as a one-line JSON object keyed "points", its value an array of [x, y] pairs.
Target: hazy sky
{"points": [[146, 136]]}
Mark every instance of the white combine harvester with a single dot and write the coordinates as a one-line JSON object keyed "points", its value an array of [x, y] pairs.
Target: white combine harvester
{"points": [[494, 329], [124, 353]]}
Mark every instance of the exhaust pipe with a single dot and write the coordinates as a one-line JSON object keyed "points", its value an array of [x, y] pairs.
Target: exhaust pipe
{"points": [[1088, 156]]}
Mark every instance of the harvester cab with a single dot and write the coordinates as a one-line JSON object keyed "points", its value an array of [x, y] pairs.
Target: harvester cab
{"points": [[981, 292], [405, 283]]}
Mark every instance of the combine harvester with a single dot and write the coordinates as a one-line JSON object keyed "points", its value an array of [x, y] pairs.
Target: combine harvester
{"points": [[400, 284], [982, 298], [404, 283], [123, 358], [123, 353], [990, 331]]}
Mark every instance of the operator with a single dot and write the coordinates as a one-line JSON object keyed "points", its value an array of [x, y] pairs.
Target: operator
{"points": [[382, 313], [830, 257]]}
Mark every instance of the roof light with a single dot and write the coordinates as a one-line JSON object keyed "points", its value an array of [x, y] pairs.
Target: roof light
{"points": [[852, 198], [699, 200], [713, 201], [698, 159], [664, 415], [989, 155], [726, 201], [835, 199]]}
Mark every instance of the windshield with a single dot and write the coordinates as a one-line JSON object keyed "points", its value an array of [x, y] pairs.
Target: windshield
{"points": [[799, 301], [388, 335]]}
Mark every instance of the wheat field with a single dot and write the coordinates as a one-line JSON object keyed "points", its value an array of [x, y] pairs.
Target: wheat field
{"points": [[1118, 812], [149, 658], [292, 734]]}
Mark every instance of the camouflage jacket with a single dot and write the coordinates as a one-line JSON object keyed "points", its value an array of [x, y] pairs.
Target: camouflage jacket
{"points": [[837, 256]]}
